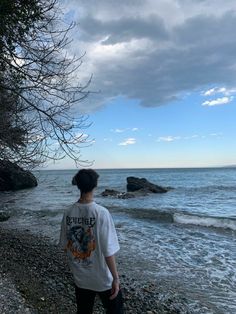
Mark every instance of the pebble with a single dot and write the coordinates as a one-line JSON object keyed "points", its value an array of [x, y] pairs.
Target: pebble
{"points": [[45, 284]]}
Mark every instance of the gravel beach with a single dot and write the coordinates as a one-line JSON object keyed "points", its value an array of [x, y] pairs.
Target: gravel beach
{"points": [[34, 278]]}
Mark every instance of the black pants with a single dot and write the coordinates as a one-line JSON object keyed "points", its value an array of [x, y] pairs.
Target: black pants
{"points": [[85, 301]]}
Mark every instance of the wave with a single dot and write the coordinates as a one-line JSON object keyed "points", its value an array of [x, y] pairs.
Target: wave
{"points": [[151, 214], [180, 218], [205, 221], [155, 215]]}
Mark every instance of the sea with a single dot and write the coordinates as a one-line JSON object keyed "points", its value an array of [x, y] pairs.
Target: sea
{"points": [[184, 240]]}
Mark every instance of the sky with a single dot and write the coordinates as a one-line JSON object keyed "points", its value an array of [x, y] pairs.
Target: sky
{"points": [[163, 90]]}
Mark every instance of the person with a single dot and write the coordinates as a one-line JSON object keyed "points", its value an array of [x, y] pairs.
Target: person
{"points": [[89, 238]]}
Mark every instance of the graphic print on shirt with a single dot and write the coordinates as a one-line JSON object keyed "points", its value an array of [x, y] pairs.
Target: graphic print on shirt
{"points": [[81, 242]]}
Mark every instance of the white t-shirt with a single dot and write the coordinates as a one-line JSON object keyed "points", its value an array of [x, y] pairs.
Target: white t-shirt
{"points": [[88, 234]]}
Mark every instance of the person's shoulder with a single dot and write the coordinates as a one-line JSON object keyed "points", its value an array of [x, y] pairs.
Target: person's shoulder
{"points": [[101, 210], [70, 208]]}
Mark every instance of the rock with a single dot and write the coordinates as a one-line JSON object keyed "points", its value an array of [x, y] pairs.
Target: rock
{"points": [[109, 192], [136, 187], [12, 177], [136, 184], [141, 192], [127, 195], [117, 194]]}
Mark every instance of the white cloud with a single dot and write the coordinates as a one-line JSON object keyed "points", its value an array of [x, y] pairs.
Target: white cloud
{"points": [[168, 138], [124, 130], [171, 138], [218, 101], [216, 134], [219, 90], [18, 62], [229, 92], [190, 137], [128, 141], [209, 92], [119, 130]]}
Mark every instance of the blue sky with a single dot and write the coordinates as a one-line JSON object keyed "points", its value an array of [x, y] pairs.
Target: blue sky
{"points": [[180, 134], [174, 64]]}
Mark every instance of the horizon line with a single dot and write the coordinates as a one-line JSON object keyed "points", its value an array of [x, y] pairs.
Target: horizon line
{"points": [[138, 168]]}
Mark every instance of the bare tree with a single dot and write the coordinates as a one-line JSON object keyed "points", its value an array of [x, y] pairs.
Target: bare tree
{"points": [[38, 85]]}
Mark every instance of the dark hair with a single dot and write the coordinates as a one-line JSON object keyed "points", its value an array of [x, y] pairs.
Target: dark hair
{"points": [[86, 180]]}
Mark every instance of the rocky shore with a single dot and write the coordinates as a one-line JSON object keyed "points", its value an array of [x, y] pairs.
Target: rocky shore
{"points": [[34, 278], [13, 177]]}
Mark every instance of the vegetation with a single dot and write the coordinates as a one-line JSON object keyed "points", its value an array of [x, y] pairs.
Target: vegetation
{"points": [[38, 85]]}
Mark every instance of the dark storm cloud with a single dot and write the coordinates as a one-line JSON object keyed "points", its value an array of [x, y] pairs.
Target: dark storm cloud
{"points": [[141, 52], [124, 29]]}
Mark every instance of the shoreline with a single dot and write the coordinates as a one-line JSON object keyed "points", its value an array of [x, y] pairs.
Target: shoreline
{"points": [[35, 278]]}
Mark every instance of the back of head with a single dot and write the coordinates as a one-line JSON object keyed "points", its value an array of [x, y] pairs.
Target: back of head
{"points": [[86, 180]]}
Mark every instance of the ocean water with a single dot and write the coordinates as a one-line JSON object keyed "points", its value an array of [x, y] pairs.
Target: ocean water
{"points": [[184, 239]]}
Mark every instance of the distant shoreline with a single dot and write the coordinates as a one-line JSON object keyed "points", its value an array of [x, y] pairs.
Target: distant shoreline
{"points": [[152, 168]]}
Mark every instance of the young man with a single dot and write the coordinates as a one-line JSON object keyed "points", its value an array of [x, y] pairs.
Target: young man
{"points": [[89, 237]]}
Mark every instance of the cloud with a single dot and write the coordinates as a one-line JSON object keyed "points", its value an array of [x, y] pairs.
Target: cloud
{"points": [[214, 91], [168, 138], [171, 138], [219, 90], [118, 130], [123, 29], [154, 51], [123, 130], [218, 101], [216, 134], [128, 141]]}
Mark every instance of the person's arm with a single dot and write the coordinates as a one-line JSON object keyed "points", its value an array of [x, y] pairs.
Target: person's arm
{"points": [[111, 263]]}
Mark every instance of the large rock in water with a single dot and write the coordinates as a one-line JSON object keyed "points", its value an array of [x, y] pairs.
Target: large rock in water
{"points": [[13, 177], [136, 184]]}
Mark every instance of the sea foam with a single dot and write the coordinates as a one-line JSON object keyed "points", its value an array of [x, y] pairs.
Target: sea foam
{"points": [[217, 222]]}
